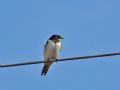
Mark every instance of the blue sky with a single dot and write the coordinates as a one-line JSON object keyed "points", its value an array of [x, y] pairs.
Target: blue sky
{"points": [[88, 26]]}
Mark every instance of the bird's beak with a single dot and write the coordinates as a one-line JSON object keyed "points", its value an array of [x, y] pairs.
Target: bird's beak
{"points": [[62, 38]]}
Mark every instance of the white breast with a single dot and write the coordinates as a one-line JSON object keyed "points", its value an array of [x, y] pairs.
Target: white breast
{"points": [[52, 50], [57, 50]]}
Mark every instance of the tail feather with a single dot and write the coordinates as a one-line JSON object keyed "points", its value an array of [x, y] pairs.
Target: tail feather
{"points": [[44, 70]]}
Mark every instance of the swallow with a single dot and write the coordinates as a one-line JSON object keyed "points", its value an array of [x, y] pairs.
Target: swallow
{"points": [[51, 51]]}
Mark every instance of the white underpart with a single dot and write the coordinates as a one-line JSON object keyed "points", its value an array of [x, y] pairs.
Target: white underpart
{"points": [[52, 50]]}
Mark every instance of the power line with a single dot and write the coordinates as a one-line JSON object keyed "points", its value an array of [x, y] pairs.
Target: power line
{"points": [[62, 59]]}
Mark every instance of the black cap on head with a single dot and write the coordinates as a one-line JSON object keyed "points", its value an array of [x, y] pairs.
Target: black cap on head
{"points": [[55, 36]]}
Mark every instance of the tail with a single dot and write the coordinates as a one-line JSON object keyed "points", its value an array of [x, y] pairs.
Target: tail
{"points": [[45, 70]]}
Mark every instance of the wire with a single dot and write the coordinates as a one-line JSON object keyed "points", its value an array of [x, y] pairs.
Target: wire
{"points": [[62, 59]]}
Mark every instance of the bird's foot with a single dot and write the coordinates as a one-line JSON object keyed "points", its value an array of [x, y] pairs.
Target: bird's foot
{"points": [[56, 60]]}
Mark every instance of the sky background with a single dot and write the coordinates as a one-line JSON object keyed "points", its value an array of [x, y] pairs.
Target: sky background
{"points": [[88, 26]]}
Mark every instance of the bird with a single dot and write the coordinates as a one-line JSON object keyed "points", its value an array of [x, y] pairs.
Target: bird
{"points": [[51, 51]]}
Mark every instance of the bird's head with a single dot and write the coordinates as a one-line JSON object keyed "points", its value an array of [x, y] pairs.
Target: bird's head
{"points": [[56, 38]]}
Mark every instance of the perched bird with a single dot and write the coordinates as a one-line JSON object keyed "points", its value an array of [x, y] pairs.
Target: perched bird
{"points": [[51, 51]]}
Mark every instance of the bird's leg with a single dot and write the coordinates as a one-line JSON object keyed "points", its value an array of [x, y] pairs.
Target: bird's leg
{"points": [[47, 61]]}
